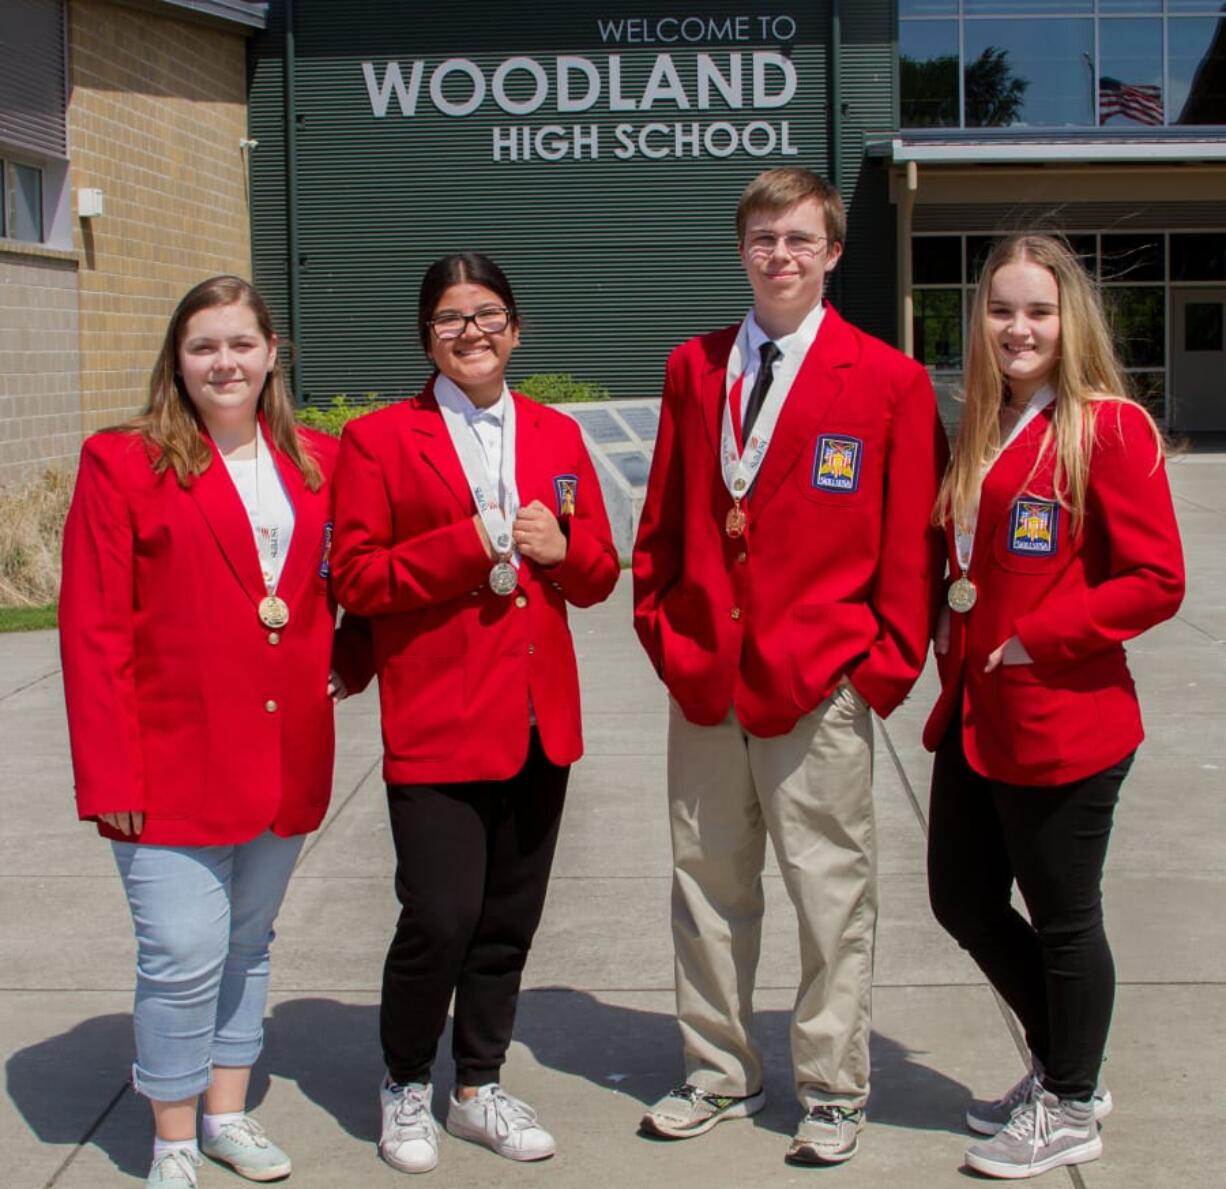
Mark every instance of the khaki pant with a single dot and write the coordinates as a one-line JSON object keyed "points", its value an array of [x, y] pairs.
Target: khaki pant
{"points": [[811, 790]]}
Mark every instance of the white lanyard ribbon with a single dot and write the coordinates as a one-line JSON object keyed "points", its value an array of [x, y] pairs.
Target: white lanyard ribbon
{"points": [[741, 469], [497, 498], [267, 533], [964, 543], [265, 512]]}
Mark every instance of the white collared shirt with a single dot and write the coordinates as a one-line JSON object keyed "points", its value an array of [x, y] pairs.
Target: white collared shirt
{"points": [[798, 342], [485, 424], [268, 507]]}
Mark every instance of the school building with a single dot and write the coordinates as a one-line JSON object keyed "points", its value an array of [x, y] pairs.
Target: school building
{"points": [[596, 151]]}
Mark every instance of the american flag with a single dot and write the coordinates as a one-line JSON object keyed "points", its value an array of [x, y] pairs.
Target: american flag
{"points": [[1139, 102]]}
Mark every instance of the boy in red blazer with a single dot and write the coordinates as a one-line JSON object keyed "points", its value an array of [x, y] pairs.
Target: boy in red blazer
{"points": [[784, 577]]}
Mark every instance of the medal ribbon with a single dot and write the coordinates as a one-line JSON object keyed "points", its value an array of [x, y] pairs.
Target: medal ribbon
{"points": [[964, 542], [497, 498], [738, 468], [267, 541]]}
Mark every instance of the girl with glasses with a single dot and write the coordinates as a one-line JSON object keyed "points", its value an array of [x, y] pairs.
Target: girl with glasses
{"points": [[1062, 545], [467, 518]]}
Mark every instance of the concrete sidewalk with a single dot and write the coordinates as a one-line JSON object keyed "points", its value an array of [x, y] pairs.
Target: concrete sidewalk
{"points": [[595, 1038]]}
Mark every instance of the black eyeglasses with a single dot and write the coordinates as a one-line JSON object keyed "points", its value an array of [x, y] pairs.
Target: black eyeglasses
{"points": [[491, 320]]}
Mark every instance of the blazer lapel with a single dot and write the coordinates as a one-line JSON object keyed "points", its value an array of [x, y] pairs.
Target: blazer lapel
{"points": [[818, 386], [1004, 481], [711, 394], [431, 438], [531, 459], [217, 500]]}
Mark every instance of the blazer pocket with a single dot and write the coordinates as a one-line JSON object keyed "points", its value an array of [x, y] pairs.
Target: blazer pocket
{"points": [[422, 700], [688, 644], [1032, 537], [1047, 714], [824, 639], [840, 468]]}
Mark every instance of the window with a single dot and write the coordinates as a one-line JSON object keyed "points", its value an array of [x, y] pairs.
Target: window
{"points": [[1072, 63], [1137, 271], [21, 202]]}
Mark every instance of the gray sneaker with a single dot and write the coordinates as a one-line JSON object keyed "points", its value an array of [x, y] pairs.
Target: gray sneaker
{"points": [[827, 1135], [987, 1118], [689, 1110], [1044, 1133]]}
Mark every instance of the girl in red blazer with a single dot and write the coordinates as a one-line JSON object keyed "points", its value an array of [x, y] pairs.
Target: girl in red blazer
{"points": [[197, 633], [1062, 545], [466, 519]]}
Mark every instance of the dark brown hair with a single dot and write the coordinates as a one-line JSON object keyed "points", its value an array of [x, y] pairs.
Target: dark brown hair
{"points": [[460, 268]]}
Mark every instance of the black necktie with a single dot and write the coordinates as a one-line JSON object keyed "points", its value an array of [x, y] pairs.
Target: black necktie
{"points": [[761, 386]]}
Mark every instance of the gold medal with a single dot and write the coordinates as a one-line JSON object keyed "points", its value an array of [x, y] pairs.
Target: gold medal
{"points": [[274, 612], [961, 595], [734, 522]]}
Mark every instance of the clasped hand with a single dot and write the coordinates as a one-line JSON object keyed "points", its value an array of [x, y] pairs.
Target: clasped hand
{"points": [[536, 533]]}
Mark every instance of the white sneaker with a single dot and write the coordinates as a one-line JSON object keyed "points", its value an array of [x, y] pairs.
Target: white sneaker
{"points": [[409, 1140], [175, 1170], [501, 1122]]}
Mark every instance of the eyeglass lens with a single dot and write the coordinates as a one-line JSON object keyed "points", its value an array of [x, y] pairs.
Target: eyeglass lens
{"points": [[451, 326]]}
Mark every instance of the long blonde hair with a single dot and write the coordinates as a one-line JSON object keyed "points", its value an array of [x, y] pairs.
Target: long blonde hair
{"points": [[169, 423], [1087, 372]]}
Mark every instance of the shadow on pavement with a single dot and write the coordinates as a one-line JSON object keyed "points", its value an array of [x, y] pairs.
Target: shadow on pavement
{"points": [[331, 1050]]}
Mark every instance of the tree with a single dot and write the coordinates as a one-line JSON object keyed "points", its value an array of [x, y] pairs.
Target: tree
{"points": [[929, 91], [994, 96]]}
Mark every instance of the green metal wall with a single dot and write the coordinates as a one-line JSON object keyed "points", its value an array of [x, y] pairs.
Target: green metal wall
{"points": [[613, 261]]}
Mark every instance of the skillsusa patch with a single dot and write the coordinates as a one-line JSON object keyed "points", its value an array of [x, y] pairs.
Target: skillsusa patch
{"points": [[565, 488], [836, 463], [1034, 527], [324, 568]]}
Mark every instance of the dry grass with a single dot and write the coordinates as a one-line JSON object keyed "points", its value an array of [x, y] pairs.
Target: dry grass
{"points": [[31, 529]]}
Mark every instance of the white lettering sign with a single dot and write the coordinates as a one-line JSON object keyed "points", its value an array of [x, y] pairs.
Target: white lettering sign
{"points": [[704, 81]]}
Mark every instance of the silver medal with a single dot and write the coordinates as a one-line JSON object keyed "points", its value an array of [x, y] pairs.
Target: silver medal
{"points": [[504, 578]]}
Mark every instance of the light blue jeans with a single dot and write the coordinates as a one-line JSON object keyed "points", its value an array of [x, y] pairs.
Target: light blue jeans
{"points": [[203, 918]]}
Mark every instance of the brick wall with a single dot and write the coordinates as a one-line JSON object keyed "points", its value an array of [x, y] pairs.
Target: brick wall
{"points": [[40, 399], [157, 111]]}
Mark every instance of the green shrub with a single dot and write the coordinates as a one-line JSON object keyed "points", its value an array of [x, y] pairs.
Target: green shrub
{"points": [[332, 418], [552, 388]]}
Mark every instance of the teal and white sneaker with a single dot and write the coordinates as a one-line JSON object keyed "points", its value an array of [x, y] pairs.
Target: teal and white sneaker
{"points": [[689, 1110], [248, 1151], [827, 1135], [1044, 1133], [175, 1170]]}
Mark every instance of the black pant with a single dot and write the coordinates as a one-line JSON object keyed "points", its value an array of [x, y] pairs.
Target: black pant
{"points": [[1055, 971], [472, 869]]}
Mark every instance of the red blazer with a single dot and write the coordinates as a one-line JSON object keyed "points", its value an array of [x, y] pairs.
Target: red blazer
{"points": [[834, 575], [457, 662], [180, 702], [1071, 598]]}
